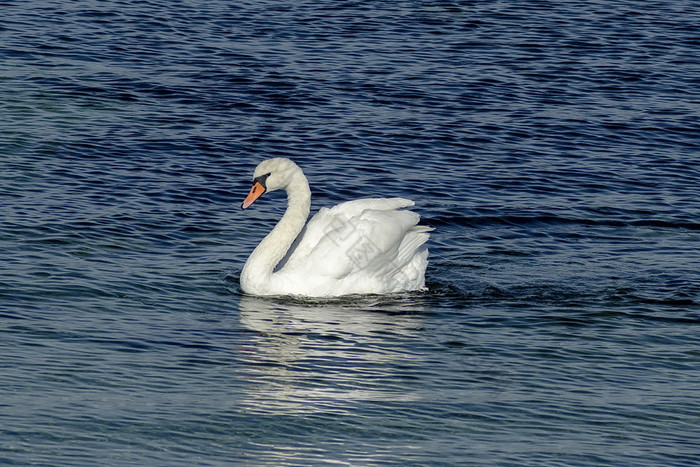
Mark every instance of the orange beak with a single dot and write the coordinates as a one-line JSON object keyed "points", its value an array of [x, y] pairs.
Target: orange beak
{"points": [[254, 194]]}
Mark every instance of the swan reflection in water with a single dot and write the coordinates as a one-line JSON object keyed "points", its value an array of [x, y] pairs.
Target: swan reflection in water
{"points": [[318, 356]]}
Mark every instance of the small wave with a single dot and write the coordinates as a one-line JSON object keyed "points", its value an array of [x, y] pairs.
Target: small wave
{"points": [[563, 293], [551, 219]]}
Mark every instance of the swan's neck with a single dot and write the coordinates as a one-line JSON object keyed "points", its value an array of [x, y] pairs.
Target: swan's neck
{"points": [[257, 274]]}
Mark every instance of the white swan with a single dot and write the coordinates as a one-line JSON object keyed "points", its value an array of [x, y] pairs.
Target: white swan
{"points": [[367, 246]]}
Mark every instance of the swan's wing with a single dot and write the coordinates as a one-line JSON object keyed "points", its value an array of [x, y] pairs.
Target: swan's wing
{"points": [[329, 219], [364, 237]]}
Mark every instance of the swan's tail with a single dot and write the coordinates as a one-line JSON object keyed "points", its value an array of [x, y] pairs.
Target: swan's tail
{"points": [[411, 261]]}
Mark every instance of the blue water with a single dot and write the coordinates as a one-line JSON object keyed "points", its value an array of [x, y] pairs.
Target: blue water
{"points": [[554, 146]]}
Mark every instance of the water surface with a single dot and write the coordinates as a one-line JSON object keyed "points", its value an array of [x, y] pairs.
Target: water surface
{"points": [[553, 146]]}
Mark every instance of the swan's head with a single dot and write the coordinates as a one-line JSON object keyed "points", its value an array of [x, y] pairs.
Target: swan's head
{"points": [[271, 175]]}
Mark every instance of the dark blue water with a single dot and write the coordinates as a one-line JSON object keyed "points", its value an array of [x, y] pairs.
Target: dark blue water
{"points": [[554, 146]]}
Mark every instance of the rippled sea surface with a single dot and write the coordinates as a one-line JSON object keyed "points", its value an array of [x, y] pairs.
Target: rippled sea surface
{"points": [[554, 146]]}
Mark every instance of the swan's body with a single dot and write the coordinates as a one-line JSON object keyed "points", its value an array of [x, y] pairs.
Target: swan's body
{"points": [[367, 246]]}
